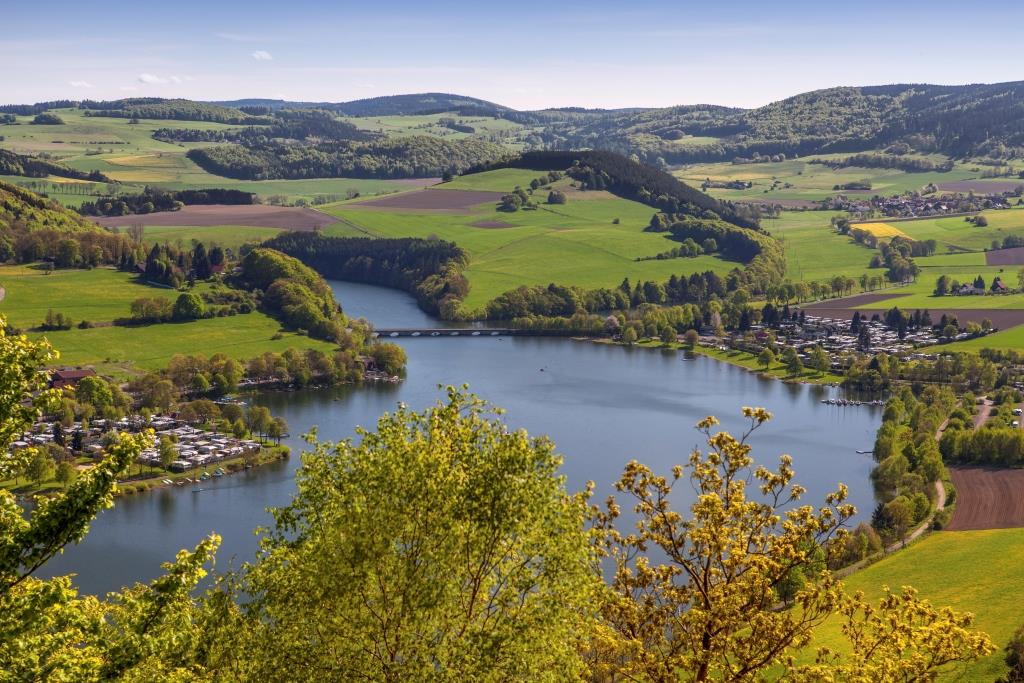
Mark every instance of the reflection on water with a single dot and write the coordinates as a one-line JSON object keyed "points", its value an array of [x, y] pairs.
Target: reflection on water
{"points": [[601, 405]]}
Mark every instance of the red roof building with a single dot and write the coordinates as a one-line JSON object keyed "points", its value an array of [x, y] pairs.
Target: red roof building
{"points": [[68, 377]]}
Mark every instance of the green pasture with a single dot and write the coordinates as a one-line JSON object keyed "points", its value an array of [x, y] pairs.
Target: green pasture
{"points": [[229, 236], [151, 347], [127, 153], [97, 295], [971, 571], [813, 250], [1012, 338], [812, 181], [955, 233], [499, 180], [571, 244], [430, 124]]}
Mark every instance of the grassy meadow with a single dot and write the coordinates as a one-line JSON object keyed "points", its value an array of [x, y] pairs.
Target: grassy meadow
{"points": [[127, 153], [813, 250], [955, 233], [229, 236], [119, 350], [798, 179], [947, 569], [103, 294], [577, 243], [430, 124], [98, 295]]}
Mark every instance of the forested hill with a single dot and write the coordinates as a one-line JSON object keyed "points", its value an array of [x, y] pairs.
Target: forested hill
{"points": [[967, 120], [391, 105], [23, 211], [601, 170], [178, 110], [12, 163]]}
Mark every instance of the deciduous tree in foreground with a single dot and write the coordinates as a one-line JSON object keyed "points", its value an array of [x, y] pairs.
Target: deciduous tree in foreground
{"points": [[47, 632], [697, 598]]}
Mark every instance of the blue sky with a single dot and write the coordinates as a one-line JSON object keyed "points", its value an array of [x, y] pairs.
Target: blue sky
{"points": [[523, 54]]}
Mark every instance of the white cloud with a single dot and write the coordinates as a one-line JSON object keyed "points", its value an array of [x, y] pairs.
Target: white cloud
{"points": [[262, 56], [236, 37], [80, 84], [153, 79]]}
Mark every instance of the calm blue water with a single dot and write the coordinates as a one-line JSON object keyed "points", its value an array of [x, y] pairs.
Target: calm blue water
{"points": [[602, 406]]}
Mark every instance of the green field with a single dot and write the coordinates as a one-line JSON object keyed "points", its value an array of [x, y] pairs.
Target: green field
{"points": [[813, 250], [956, 234], [812, 181], [572, 244], [103, 294], [98, 295], [230, 236], [971, 571], [499, 180], [150, 347], [508, 132], [128, 153], [1012, 338]]}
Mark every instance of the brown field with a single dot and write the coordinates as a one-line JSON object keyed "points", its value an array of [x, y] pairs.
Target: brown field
{"points": [[1005, 257], [451, 201], [492, 224], [987, 498], [254, 215], [852, 302], [981, 186]]}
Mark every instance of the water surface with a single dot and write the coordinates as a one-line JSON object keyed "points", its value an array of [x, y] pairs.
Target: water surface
{"points": [[601, 405]]}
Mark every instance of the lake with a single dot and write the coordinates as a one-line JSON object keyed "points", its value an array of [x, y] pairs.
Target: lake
{"points": [[601, 405]]}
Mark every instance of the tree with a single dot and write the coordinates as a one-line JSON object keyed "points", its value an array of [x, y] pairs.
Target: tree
{"points": [[820, 360], [65, 473], [694, 597], [942, 285], [188, 306], [47, 632], [792, 360], [390, 358], [238, 429], [446, 517], [40, 468], [691, 338], [277, 428], [94, 391], [668, 334], [766, 358], [168, 453], [201, 262], [629, 336], [258, 419]]}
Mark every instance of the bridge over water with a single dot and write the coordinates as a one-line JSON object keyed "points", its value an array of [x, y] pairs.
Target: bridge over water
{"points": [[447, 332]]}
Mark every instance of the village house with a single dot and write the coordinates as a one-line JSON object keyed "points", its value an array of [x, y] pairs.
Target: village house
{"points": [[69, 377]]}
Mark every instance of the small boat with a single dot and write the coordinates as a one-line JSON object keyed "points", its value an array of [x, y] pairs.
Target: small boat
{"points": [[415, 334], [864, 452], [166, 482], [435, 334]]}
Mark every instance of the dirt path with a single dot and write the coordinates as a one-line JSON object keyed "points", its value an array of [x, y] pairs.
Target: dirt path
{"points": [[940, 505], [3, 293], [984, 411]]}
